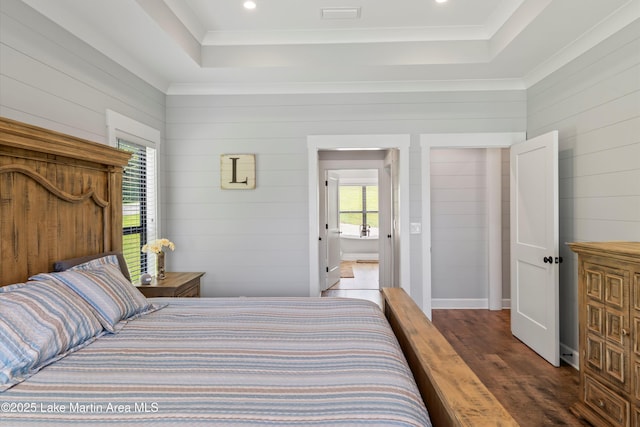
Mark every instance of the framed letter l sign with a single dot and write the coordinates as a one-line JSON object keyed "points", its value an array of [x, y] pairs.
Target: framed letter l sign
{"points": [[238, 171]]}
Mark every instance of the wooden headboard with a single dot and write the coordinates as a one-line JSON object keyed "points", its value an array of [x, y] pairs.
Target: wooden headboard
{"points": [[60, 197]]}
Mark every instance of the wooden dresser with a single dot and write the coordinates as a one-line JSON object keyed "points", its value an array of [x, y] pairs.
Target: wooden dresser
{"points": [[174, 285], [609, 312]]}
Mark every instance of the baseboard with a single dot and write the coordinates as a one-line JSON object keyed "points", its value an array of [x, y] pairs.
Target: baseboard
{"points": [[570, 356], [465, 303], [459, 303]]}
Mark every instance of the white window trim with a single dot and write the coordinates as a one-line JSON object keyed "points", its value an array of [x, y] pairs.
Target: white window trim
{"points": [[123, 127], [119, 126]]}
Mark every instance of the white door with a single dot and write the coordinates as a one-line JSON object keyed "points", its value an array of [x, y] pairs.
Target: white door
{"points": [[333, 229], [534, 245]]}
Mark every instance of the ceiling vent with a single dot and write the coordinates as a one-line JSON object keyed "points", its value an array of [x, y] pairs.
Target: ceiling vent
{"points": [[340, 13]]}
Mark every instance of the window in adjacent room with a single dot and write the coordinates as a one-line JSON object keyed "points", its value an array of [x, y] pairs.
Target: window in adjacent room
{"points": [[359, 210], [139, 189]]}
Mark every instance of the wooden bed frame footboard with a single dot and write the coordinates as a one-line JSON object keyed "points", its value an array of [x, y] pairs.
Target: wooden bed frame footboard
{"points": [[452, 392]]}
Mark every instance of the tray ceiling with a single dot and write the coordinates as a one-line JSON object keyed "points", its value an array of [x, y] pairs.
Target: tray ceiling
{"points": [[325, 46]]}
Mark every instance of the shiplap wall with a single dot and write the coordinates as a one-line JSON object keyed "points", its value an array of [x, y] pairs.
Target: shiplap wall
{"points": [[458, 223], [256, 242], [594, 103], [50, 78], [459, 227]]}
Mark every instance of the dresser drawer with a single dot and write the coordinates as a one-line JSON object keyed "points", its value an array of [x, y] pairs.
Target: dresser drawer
{"points": [[606, 403]]}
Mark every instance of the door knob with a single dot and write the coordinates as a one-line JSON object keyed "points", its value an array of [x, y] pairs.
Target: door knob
{"points": [[550, 260]]}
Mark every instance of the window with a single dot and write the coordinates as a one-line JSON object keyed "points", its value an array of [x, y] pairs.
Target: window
{"points": [[138, 206], [359, 210], [139, 189]]}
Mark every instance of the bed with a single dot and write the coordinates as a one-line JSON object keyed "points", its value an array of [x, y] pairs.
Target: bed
{"points": [[209, 361]]}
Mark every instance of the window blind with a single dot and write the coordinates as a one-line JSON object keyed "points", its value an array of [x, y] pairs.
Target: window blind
{"points": [[139, 208]]}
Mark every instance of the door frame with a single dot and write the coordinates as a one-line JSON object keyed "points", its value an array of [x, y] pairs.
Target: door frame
{"points": [[449, 140], [315, 143]]}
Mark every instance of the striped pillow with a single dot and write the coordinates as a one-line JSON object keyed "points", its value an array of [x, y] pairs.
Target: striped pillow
{"points": [[97, 263], [107, 291], [40, 322]]}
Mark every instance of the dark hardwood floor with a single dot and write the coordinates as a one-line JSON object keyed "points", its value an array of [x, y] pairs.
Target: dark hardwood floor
{"points": [[533, 391]]}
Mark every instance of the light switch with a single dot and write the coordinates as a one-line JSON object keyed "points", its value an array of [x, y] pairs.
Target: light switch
{"points": [[416, 228]]}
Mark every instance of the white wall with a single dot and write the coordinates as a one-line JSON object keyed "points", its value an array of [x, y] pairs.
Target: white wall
{"points": [[594, 102], [50, 78], [255, 242], [459, 227], [458, 224]]}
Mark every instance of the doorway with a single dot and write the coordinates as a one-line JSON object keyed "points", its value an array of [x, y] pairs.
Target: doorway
{"points": [[397, 147], [357, 212], [533, 231], [355, 219], [435, 141], [470, 267]]}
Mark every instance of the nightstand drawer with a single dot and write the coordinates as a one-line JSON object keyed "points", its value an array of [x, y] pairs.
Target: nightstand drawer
{"points": [[191, 290], [174, 285]]}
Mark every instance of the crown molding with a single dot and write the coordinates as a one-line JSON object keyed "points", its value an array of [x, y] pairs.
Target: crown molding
{"points": [[609, 26], [344, 87]]}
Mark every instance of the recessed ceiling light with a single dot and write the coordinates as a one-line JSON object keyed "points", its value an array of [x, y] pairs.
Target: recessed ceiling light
{"points": [[250, 5], [441, 1]]}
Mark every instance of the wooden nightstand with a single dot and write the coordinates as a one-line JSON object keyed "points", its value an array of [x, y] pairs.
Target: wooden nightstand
{"points": [[174, 285]]}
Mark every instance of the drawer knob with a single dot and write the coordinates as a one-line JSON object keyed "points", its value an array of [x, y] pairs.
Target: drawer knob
{"points": [[624, 332], [601, 403]]}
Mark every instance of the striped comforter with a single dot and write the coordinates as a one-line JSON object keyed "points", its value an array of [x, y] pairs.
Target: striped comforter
{"points": [[230, 362]]}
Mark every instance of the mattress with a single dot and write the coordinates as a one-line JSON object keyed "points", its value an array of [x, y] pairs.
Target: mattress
{"points": [[230, 362]]}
